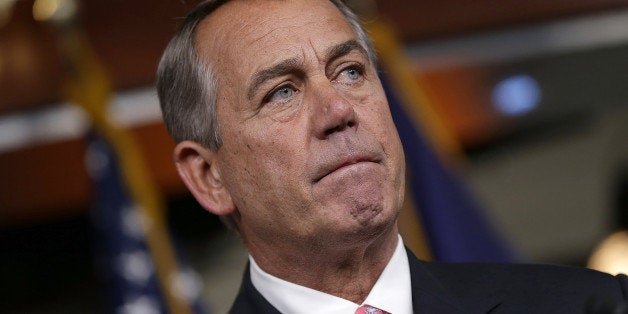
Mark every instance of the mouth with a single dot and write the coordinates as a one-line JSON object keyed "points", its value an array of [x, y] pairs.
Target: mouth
{"points": [[342, 164]]}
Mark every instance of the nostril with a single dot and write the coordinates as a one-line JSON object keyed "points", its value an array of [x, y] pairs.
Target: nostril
{"points": [[340, 127], [333, 130]]}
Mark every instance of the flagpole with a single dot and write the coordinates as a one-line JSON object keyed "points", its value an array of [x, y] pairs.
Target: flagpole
{"points": [[397, 65], [88, 86]]}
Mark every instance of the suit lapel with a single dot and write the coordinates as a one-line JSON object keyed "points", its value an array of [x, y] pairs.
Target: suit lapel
{"points": [[430, 295], [249, 300]]}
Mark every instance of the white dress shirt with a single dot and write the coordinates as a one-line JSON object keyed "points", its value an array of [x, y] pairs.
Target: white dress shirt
{"points": [[391, 293]]}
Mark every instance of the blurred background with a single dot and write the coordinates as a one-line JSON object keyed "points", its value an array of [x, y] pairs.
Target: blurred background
{"points": [[533, 96]]}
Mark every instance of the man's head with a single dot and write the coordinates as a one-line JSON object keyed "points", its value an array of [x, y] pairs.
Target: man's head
{"points": [[306, 151], [187, 84]]}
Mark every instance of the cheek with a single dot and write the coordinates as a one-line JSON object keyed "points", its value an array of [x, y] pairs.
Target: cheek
{"points": [[264, 180], [263, 158], [377, 120], [372, 101], [376, 116]]}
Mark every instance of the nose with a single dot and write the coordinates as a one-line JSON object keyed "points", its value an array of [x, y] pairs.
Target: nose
{"points": [[332, 112]]}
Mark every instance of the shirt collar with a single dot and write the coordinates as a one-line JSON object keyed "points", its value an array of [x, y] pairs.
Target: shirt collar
{"points": [[392, 291]]}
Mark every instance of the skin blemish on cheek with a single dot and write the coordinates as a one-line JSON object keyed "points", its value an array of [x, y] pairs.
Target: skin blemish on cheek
{"points": [[364, 100]]}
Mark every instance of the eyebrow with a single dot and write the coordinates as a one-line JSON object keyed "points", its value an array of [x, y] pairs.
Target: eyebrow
{"points": [[279, 69], [289, 65], [344, 49]]}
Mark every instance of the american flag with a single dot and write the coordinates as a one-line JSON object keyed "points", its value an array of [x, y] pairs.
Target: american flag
{"points": [[123, 259]]}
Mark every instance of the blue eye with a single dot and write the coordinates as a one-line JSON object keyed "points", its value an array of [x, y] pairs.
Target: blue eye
{"points": [[351, 74], [284, 92], [281, 93]]}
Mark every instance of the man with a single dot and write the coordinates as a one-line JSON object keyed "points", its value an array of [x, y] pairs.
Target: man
{"points": [[284, 131]]}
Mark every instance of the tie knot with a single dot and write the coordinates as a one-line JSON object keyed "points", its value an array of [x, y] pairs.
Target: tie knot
{"points": [[367, 309]]}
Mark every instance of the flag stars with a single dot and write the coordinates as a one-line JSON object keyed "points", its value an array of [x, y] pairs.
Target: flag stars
{"points": [[136, 267], [96, 161], [134, 223], [140, 305], [186, 285]]}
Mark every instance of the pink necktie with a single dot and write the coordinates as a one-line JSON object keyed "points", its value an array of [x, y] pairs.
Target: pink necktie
{"points": [[367, 309]]}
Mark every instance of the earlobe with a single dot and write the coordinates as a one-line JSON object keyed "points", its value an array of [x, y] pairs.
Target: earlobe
{"points": [[197, 168]]}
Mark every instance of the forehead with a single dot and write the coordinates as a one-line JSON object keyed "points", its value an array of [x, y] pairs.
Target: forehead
{"points": [[255, 33]]}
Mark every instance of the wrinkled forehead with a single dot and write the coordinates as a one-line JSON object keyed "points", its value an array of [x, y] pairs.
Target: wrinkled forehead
{"points": [[261, 32]]}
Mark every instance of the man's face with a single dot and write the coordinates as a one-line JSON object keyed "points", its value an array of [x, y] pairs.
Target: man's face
{"points": [[309, 151]]}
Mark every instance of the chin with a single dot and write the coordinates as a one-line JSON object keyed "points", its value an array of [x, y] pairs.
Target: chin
{"points": [[358, 209], [361, 221]]}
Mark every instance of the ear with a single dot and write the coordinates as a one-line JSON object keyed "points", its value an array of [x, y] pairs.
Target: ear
{"points": [[198, 170]]}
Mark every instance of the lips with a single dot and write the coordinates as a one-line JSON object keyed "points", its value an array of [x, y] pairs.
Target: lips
{"points": [[349, 160]]}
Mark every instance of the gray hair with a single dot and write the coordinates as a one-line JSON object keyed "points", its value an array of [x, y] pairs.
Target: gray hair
{"points": [[186, 84]]}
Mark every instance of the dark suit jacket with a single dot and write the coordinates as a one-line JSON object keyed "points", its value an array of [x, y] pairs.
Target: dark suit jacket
{"points": [[487, 288]]}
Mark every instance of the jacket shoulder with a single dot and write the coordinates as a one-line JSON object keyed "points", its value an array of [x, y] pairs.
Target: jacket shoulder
{"points": [[536, 288]]}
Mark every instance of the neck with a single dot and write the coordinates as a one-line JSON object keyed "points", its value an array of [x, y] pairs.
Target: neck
{"points": [[348, 272]]}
